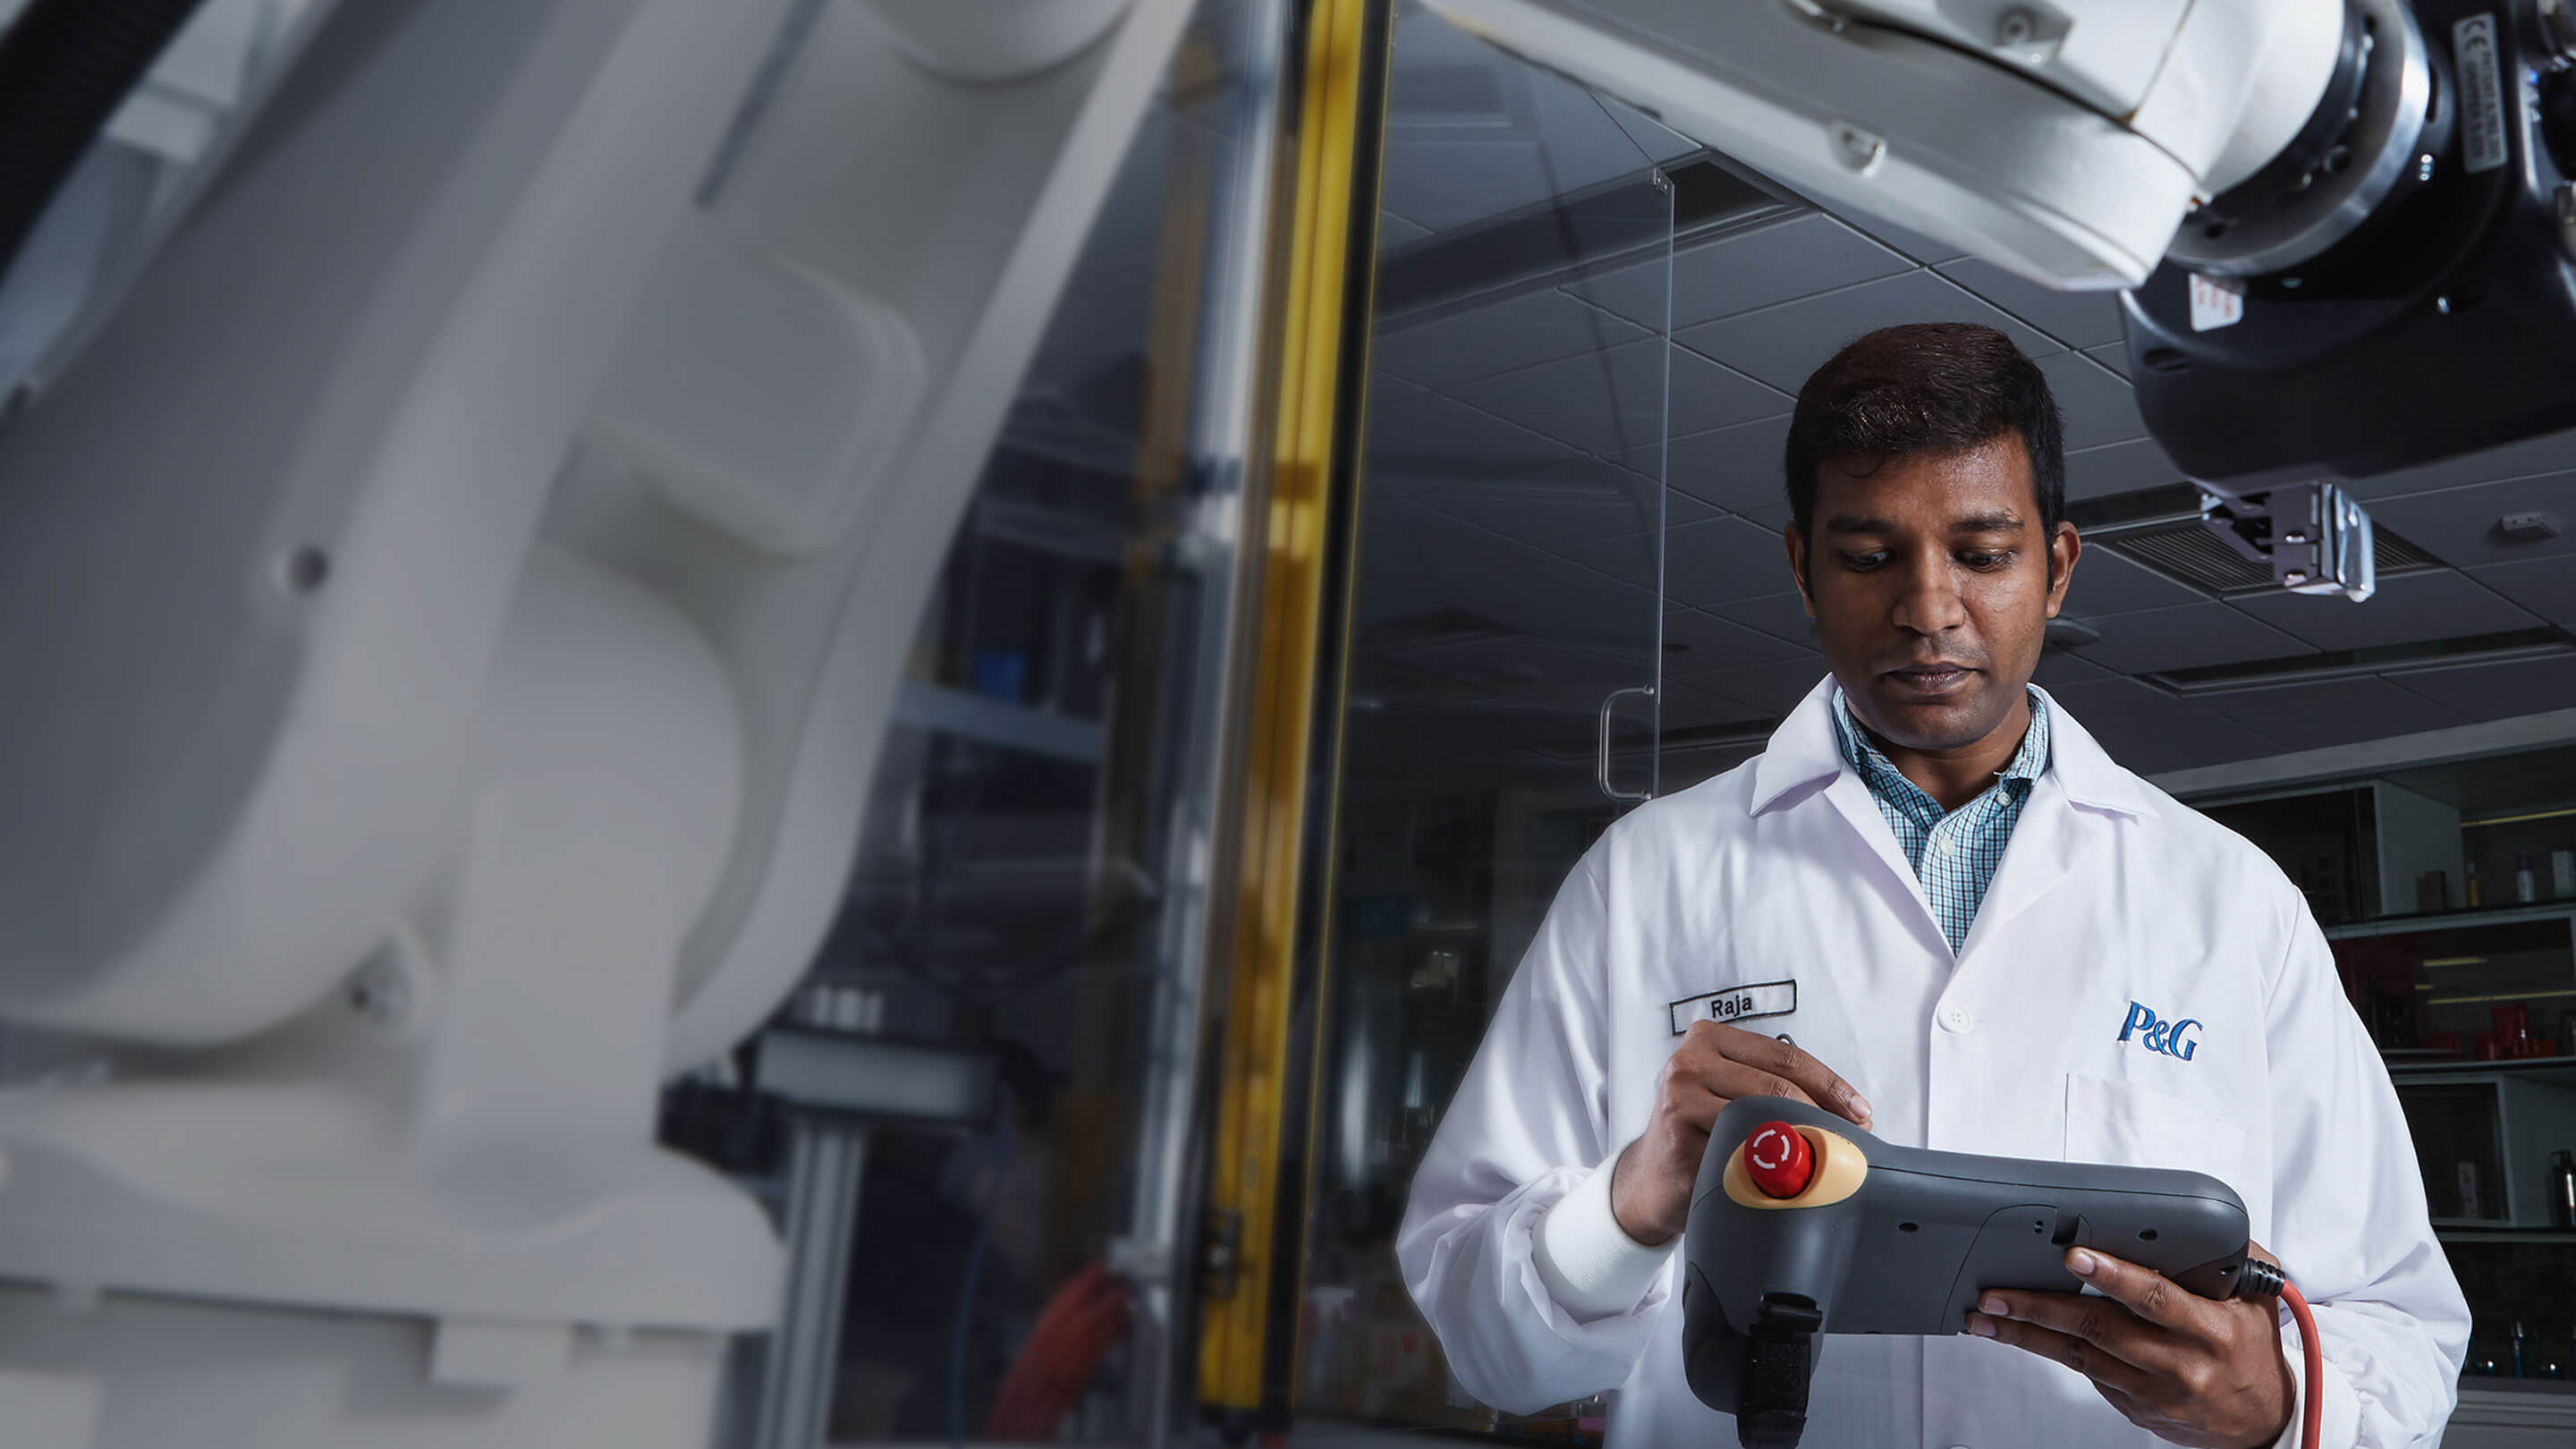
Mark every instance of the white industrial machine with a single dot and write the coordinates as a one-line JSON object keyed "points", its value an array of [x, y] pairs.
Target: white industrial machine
{"points": [[456, 574]]}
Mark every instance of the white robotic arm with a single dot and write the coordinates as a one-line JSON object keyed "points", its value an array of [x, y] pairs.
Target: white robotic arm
{"points": [[2064, 140], [460, 589]]}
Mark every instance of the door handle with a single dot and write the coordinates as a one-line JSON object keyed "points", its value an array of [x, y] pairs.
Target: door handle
{"points": [[1601, 759]]}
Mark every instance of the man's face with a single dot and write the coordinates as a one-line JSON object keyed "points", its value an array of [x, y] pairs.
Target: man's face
{"points": [[1930, 583]]}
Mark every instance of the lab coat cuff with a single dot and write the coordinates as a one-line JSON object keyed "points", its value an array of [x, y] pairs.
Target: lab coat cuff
{"points": [[2340, 1425], [1591, 1267]]}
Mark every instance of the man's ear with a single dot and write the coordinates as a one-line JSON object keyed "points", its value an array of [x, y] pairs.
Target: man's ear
{"points": [[1796, 543], [2064, 548]]}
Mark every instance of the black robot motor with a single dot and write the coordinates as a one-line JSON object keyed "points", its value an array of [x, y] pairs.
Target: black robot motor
{"points": [[2396, 286]]}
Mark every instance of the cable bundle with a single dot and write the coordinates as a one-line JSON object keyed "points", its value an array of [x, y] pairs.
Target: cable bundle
{"points": [[1085, 1319]]}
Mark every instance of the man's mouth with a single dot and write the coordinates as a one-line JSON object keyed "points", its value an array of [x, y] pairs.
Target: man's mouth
{"points": [[1931, 679]]}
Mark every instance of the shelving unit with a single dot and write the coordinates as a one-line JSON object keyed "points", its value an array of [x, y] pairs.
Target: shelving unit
{"points": [[2370, 854], [997, 722], [2507, 1235], [2556, 1071], [2512, 915]]}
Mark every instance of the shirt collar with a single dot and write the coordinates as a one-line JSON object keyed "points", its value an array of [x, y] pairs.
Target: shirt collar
{"points": [[2029, 761], [1804, 751]]}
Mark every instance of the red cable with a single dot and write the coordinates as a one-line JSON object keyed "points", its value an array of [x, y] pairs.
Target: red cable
{"points": [[2313, 1405], [1087, 1316]]}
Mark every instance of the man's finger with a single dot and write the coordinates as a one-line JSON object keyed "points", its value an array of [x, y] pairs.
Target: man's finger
{"points": [[2144, 1291], [1818, 1083], [2102, 1323], [1738, 1080], [1706, 1094], [2106, 1369]]}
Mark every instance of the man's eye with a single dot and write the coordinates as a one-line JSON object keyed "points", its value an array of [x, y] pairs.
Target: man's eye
{"points": [[1986, 561], [1864, 562]]}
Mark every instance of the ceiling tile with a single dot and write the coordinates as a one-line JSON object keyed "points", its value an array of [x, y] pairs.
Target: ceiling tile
{"points": [[1615, 401], [1395, 581], [2114, 356], [2408, 608], [2335, 712], [1912, 243], [1655, 140], [2106, 583], [1394, 231], [2078, 319], [1386, 389], [1536, 673], [2186, 637], [2119, 468], [1630, 558], [1430, 437], [1516, 332], [2546, 586], [2460, 525], [1706, 395], [1681, 508], [1687, 706], [1781, 345], [1772, 690], [1581, 501], [2093, 401], [1520, 587], [2548, 453], [1697, 643], [2057, 667], [1782, 616], [1736, 468], [2497, 691], [1525, 135], [1735, 273], [1559, 519], [2152, 732], [1722, 561]]}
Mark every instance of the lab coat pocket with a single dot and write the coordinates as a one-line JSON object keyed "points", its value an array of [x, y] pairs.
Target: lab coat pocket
{"points": [[2133, 1126]]}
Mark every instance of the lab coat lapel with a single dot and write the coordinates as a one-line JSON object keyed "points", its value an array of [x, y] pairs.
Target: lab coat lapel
{"points": [[1851, 799], [2072, 813], [1804, 751], [2052, 841]]}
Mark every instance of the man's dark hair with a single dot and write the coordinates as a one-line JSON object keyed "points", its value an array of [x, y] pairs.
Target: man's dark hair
{"points": [[1926, 387]]}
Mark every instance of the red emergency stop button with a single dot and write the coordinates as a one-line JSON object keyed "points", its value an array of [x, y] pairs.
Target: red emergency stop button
{"points": [[1779, 1160]]}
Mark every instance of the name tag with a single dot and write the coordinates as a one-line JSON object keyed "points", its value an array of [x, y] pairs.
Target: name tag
{"points": [[1736, 1003]]}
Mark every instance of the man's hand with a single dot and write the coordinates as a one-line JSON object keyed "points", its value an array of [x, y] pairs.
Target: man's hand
{"points": [[1650, 1188], [2184, 1368]]}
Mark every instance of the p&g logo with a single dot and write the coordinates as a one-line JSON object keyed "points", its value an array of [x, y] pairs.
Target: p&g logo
{"points": [[2159, 1035]]}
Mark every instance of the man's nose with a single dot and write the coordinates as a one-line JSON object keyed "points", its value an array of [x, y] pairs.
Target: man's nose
{"points": [[1928, 601]]}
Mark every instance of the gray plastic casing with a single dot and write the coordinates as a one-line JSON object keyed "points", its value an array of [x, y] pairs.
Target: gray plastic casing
{"points": [[1926, 1233]]}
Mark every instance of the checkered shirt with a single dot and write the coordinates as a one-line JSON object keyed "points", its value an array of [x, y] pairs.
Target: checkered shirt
{"points": [[1954, 854]]}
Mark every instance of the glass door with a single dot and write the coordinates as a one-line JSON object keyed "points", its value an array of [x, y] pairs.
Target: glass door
{"points": [[1504, 659]]}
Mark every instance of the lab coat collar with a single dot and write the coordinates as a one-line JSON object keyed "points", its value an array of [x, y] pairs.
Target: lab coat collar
{"points": [[1803, 754]]}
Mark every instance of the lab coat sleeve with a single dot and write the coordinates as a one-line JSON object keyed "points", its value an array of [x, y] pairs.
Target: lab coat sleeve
{"points": [[1527, 1127], [2349, 1218]]}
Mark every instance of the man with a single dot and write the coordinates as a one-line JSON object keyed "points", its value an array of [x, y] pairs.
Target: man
{"points": [[1960, 909]]}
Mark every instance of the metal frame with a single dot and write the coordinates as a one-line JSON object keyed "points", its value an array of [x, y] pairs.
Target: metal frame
{"points": [[1244, 1358]]}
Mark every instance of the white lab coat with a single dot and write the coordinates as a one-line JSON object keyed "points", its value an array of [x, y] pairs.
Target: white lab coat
{"points": [[2110, 894]]}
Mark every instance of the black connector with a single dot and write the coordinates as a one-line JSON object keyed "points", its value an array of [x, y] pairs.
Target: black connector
{"points": [[2257, 1279]]}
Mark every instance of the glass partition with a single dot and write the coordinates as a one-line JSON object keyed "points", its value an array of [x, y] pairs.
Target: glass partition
{"points": [[1506, 640]]}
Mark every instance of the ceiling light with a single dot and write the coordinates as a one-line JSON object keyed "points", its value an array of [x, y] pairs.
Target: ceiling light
{"points": [[2455, 960]]}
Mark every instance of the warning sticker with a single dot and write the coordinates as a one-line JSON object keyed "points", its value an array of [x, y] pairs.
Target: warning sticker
{"points": [[2216, 302], [2482, 139]]}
